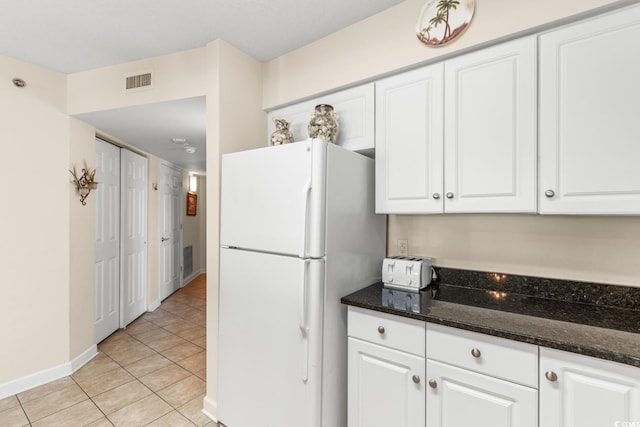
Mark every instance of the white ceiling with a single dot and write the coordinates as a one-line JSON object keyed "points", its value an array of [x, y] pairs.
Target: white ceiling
{"points": [[77, 35]]}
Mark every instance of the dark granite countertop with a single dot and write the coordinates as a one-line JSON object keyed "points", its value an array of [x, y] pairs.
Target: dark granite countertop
{"points": [[599, 326]]}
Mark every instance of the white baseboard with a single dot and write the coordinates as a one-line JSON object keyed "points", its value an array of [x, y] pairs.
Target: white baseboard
{"points": [[155, 304], [210, 408], [36, 379], [192, 276]]}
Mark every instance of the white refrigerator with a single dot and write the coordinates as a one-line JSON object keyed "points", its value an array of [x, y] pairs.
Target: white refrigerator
{"points": [[298, 232]]}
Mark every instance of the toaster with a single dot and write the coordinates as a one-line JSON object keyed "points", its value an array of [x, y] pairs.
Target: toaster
{"points": [[406, 272]]}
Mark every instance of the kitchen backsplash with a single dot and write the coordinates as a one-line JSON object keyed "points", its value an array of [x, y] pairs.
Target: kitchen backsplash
{"points": [[597, 249], [552, 289]]}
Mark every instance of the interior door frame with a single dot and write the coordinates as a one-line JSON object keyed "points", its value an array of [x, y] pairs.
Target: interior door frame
{"points": [[181, 207]]}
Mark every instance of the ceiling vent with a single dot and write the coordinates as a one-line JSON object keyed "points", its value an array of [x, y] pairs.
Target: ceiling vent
{"points": [[138, 81]]}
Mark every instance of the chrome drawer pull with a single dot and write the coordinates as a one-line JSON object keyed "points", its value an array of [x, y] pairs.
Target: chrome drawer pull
{"points": [[416, 379], [433, 383], [381, 330], [476, 353], [551, 376]]}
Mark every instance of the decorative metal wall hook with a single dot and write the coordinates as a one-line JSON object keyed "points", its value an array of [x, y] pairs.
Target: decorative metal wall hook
{"points": [[84, 183]]}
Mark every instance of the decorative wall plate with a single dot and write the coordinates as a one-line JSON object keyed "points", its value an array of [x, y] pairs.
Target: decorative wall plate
{"points": [[442, 21]]}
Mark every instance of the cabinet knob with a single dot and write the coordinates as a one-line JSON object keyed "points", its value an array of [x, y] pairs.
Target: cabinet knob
{"points": [[449, 195], [551, 376], [549, 193], [381, 330], [433, 383], [416, 379], [436, 196], [476, 353]]}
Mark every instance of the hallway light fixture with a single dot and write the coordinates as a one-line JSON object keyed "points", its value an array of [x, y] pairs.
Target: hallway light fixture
{"points": [[84, 183], [193, 184]]}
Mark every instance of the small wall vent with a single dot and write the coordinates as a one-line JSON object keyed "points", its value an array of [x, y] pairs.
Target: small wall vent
{"points": [[138, 81]]}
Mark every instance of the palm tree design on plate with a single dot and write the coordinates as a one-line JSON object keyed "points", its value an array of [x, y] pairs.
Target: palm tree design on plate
{"points": [[442, 17]]}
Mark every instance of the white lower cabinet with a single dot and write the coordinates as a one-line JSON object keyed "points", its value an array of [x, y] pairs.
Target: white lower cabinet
{"points": [[400, 376], [386, 370], [459, 397], [577, 390], [480, 380], [386, 387]]}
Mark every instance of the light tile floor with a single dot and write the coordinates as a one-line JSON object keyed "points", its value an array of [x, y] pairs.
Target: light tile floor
{"points": [[152, 373]]}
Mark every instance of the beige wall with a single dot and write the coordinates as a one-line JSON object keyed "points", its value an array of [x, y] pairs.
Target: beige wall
{"points": [[175, 76], [584, 248], [34, 221], [235, 122], [82, 238], [387, 42], [601, 249]]}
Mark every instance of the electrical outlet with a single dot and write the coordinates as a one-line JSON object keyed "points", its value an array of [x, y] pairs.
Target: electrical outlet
{"points": [[403, 246]]}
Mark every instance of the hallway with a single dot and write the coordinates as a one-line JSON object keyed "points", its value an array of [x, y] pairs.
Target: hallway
{"points": [[152, 373]]}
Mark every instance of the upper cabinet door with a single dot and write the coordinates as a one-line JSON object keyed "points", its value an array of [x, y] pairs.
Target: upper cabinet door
{"points": [[354, 109], [409, 138], [589, 123], [490, 129]]}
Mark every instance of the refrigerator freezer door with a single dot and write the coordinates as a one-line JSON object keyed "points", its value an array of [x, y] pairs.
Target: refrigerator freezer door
{"points": [[273, 199], [269, 363]]}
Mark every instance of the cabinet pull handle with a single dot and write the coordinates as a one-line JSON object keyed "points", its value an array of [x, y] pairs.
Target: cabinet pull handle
{"points": [[433, 383], [381, 330], [449, 195], [551, 376], [416, 379], [476, 353], [549, 193], [436, 196]]}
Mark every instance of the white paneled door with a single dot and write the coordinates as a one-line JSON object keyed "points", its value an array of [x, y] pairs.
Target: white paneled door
{"points": [[133, 235], [170, 227], [107, 271]]}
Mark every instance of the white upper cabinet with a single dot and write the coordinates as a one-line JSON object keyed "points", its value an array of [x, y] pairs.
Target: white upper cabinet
{"points": [[589, 121], [409, 136], [354, 109], [490, 129], [578, 390], [480, 155]]}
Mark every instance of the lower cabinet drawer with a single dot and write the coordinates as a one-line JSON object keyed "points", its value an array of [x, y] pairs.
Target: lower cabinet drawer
{"points": [[458, 397], [497, 357], [388, 330]]}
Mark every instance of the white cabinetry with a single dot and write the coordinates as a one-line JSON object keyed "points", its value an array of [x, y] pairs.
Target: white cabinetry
{"points": [[354, 108], [480, 380], [490, 129], [386, 370], [577, 390], [480, 155], [409, 137], [589, 123]]}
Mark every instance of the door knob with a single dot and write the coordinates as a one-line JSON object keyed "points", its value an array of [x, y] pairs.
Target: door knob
{"points": [[164, 239]]}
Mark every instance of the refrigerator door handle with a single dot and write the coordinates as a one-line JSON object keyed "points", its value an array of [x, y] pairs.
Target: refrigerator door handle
{"points": [[305, 218], [303, 319]]}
